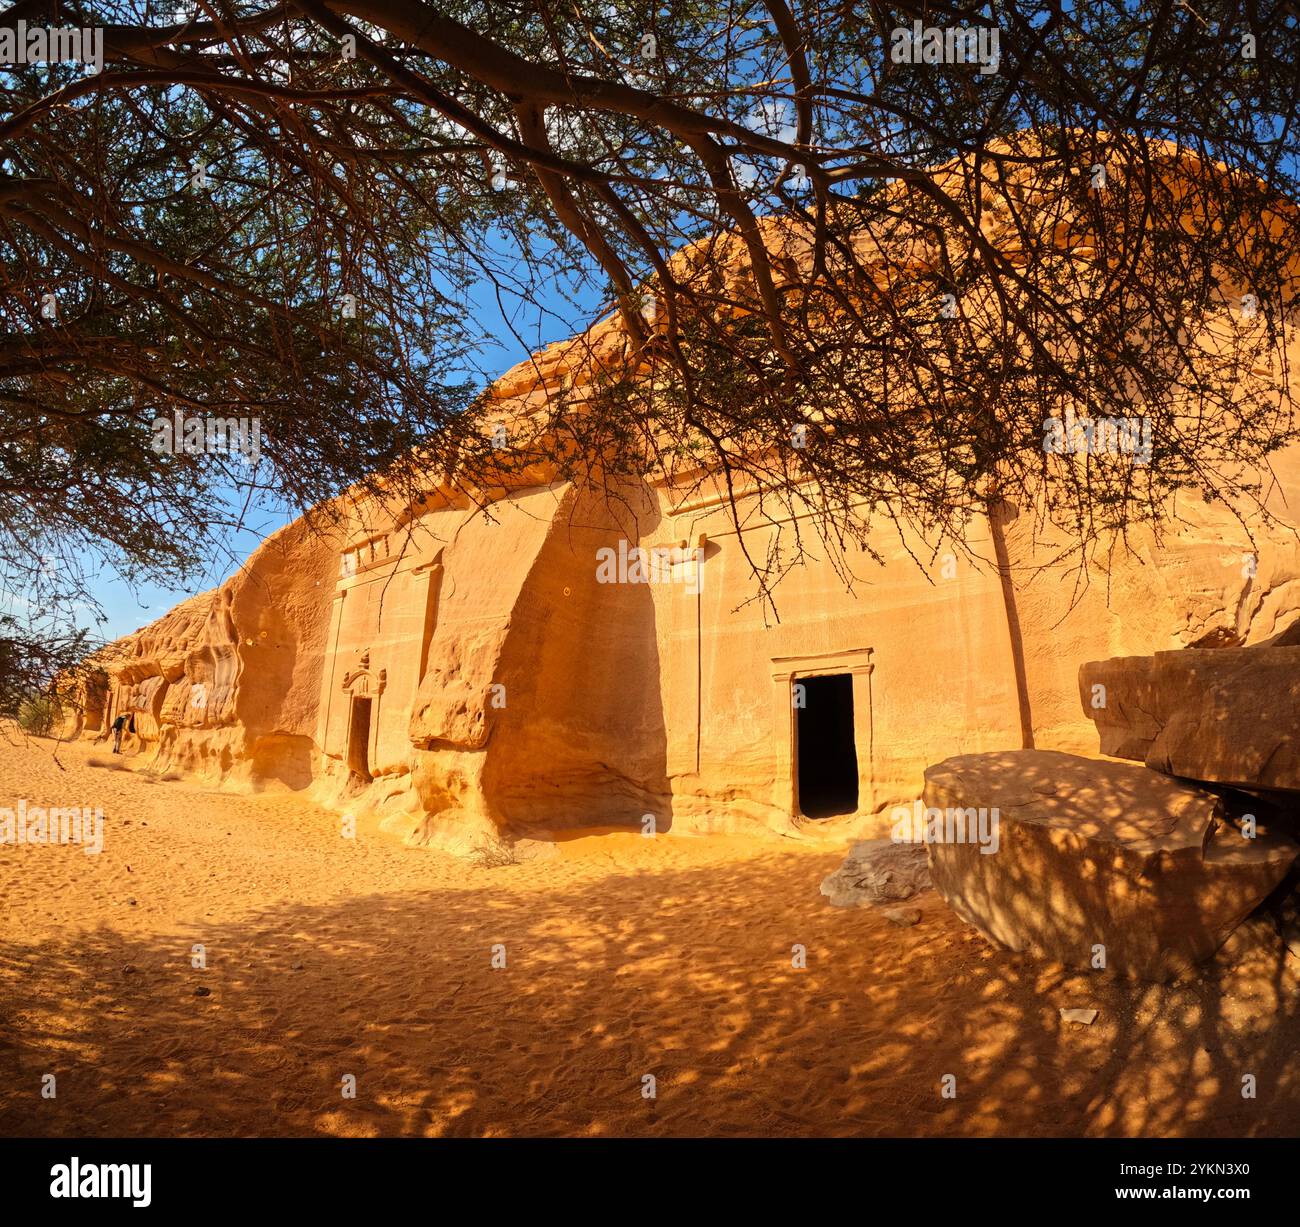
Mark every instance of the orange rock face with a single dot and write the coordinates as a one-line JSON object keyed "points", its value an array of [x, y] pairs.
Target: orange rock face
{"points": [[228, 682], [570, 659], [564, 657]]}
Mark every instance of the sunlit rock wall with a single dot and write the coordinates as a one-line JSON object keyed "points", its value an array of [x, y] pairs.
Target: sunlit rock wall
{"points": [[226, 684]]}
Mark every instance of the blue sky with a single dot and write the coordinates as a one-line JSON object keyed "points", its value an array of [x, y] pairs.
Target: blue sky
{"points": [[554, 318]]}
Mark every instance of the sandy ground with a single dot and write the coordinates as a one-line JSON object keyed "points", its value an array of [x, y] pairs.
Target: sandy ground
{"points": [[625, 957]]}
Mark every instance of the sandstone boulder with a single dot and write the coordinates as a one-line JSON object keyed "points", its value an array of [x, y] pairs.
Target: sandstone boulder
{"points": [[1226, 716], [1094, 854], [878, 871]]}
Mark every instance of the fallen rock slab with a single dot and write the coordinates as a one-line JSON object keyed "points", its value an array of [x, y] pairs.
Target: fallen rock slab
{"points": [[1096, 864], [878, 871], [1226, 716]]}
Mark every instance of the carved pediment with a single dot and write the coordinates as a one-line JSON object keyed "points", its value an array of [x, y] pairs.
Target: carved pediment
{"points": [[363, 681]]}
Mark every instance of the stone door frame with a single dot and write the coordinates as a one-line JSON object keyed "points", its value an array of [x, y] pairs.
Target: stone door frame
{"points": [[786, 670]]}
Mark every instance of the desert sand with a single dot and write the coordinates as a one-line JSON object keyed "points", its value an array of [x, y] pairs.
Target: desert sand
{"points": [[625, 956]]}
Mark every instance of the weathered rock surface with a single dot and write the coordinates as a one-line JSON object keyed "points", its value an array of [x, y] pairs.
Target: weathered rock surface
{"points": [[1227, 716], [460, 664], [1099, 854], [878, 871], [227, 683]]}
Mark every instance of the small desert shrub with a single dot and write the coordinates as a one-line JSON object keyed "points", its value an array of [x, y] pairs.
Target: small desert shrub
{"points": [[494, 856], [38, 715]]}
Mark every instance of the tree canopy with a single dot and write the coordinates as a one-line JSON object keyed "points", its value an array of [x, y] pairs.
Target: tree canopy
{"points": [[858, 257]]}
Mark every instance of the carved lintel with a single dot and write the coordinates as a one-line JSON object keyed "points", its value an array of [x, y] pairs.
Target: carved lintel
{"points": [[363, 682]]}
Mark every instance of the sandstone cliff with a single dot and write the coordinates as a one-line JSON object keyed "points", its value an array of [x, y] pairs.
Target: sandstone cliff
{"points": [[227, 683]]}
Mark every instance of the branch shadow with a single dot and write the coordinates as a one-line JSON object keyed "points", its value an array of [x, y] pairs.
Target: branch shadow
{"points": [[682, 974]]}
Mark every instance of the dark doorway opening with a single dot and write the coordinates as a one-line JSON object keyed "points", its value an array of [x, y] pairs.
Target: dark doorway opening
{"points": [[359, 738], [827, 754]]}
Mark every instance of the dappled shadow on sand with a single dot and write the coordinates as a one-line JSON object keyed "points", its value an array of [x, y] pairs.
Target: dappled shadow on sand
{"points": [[683, 974]]}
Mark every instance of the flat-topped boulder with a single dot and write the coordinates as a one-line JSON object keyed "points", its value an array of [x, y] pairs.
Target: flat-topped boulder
{"points": [[1225, 716], [1092, 863]]}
